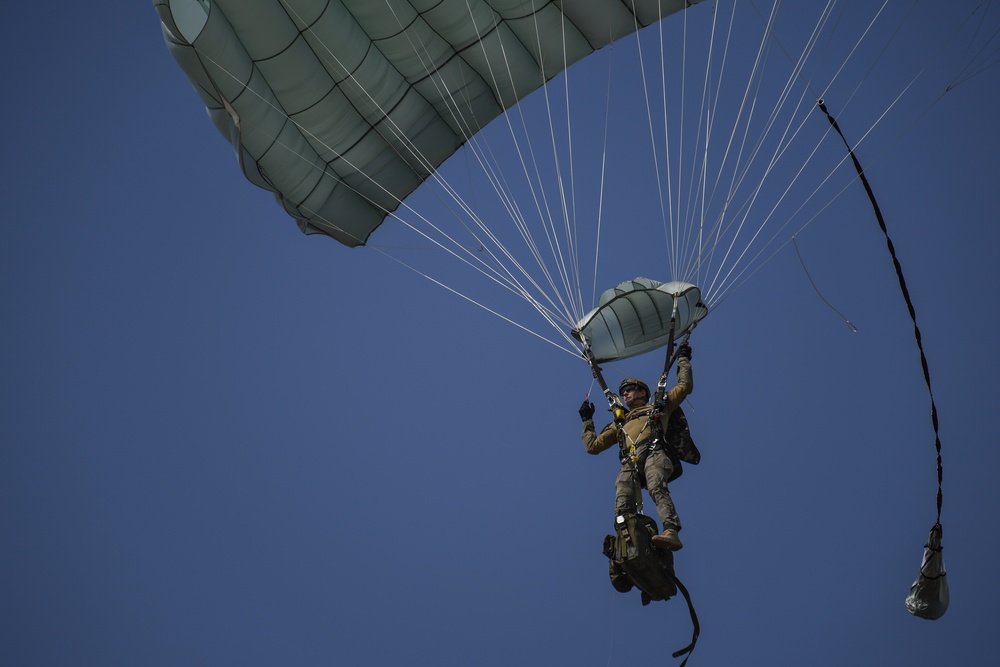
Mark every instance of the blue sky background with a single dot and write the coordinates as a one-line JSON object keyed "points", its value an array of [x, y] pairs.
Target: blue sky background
{"points": [[225, 443]]}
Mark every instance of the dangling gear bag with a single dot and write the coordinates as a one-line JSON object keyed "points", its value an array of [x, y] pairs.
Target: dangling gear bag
{"points": [[634, 561]]}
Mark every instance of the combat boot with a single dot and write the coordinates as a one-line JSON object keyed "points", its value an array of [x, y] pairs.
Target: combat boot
{"points": [[668, 540]]}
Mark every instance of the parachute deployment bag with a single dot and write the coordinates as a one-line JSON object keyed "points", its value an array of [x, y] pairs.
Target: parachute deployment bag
{"points": [[678, 443], [678, 439], [929, 596]]}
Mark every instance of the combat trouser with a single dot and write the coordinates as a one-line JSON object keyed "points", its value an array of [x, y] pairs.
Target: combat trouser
{"points": [[657, 469]]}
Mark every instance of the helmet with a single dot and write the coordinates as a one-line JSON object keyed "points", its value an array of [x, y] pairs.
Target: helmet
{"points": [[634, 383]]}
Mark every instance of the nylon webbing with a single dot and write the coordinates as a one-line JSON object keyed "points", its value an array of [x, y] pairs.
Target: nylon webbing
{"points": [[694, 621], [906, 297]]}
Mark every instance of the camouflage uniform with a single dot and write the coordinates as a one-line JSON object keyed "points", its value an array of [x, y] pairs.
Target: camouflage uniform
{"points": [[656, 466]]}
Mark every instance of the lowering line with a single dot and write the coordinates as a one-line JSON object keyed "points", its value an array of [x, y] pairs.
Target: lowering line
{"points": [[909, 304]]}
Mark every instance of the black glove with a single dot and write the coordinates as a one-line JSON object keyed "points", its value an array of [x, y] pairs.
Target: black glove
{"points": [[586, 410], [684, 352]]}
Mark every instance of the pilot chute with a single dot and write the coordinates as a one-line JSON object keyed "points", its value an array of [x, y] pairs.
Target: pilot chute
{"points": [[635, 316]]}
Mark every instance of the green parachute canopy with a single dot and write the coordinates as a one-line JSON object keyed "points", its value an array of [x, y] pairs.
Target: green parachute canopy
{"points": [[342, 108], [634, 316]]}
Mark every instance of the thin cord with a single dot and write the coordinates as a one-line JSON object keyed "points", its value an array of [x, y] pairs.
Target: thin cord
{"points": [[820, 294]]}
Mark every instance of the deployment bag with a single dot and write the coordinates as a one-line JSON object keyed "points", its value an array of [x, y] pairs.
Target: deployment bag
{"points": [[929, 596], [677, 443], [678, 439]]}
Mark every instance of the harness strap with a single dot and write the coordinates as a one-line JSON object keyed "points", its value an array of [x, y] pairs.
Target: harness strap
{"points": [[661, 386]]}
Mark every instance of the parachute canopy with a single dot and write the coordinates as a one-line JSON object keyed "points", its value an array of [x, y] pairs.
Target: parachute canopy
{"points": [[634, 317], [343, 107]]}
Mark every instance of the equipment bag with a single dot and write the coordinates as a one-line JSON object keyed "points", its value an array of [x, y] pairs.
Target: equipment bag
{"points": [[634, 562]]}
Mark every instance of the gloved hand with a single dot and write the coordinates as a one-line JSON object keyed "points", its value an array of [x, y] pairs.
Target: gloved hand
{"points": [[586, 410], [684, 352]]}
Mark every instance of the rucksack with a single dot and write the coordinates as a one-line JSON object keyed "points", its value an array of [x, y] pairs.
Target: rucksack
{"points": [[633, 562]]}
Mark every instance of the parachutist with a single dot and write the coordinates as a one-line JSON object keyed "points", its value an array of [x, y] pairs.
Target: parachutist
{"points": [[648, 459]]}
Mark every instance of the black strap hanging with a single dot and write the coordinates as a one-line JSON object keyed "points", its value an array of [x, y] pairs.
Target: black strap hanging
{"points": [[694, 621], [909, 305]]}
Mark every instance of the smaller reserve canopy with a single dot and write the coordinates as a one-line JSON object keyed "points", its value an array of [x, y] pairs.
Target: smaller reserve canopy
{"points": [[634, 317]]}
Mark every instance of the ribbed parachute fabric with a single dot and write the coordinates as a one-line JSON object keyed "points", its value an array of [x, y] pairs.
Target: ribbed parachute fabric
{"points": [[346, 106], [634, 317]]}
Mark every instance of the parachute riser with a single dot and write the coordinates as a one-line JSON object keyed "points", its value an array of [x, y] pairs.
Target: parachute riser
{"points": [[661, 386], [619, 411], [668, 362], [615, 404]]}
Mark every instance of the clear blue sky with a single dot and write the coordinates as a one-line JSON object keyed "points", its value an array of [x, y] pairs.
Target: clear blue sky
{"points": [[225, 443]]}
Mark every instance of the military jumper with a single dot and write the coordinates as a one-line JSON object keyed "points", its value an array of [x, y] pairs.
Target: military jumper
{"points": [[654, 467]]}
